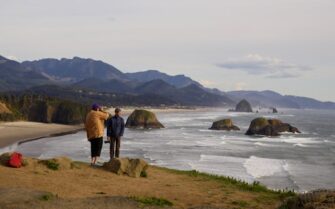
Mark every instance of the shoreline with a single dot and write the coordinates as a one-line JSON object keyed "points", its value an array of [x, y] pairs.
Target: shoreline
{"points": [[20, 132]]}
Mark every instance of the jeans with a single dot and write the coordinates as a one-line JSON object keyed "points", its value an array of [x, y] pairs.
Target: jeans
{"points": [[115, 147]]}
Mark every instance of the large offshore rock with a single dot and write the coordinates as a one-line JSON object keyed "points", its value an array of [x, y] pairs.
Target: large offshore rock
{"points": [[269, 127], [126, 166], [143, 119], [224, 124], [243, 106]]}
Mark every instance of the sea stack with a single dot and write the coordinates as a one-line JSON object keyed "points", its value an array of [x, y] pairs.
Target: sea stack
{"points": [[243, 106], [143, 119], [224, 124], [269, 127]]}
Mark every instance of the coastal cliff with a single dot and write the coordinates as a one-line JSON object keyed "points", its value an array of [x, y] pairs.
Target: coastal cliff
{"points": [[62, 183]]}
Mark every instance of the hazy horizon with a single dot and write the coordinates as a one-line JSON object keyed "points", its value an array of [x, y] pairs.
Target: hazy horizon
{"points": [[284, 46]]}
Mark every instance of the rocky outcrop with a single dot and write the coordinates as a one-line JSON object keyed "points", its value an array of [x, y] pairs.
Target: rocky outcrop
{"points": [[269, 127], [126, 166], [224, 124], [5, 113], [320, 199], [243, 106], [51, 112], [143, 119], [274, 110]]}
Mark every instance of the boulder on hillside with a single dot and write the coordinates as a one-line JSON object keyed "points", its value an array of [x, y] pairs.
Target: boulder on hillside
{"points": [[224, 124], [269, 127], [243, 106], [143, 119], [322, 199], [126, 166]]}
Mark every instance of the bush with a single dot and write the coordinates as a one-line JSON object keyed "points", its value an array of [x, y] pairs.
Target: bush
{"points": [[51, 164], [152, 201], [144, 174]]}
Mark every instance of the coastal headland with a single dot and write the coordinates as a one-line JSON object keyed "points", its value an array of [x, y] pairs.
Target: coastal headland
{"points": [[79, 185]]}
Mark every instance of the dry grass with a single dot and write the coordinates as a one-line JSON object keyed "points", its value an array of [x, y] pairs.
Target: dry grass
{"points": [[180, 188]]}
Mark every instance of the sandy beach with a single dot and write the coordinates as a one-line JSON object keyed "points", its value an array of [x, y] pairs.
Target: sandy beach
{"points": [[14, 132]]}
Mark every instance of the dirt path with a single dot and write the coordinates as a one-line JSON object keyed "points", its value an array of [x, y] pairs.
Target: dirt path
{"points": [[182, 190]]}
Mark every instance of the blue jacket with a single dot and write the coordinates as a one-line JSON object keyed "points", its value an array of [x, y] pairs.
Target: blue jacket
{"points": [[115, 126]]}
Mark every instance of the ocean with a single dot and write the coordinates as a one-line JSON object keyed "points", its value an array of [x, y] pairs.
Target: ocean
{"points": [[301, 162]]}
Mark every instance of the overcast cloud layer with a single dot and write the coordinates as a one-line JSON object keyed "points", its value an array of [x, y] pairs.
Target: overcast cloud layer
{"points": [[283, 45]]}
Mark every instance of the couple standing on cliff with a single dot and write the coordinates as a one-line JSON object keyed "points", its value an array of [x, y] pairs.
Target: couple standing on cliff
{"points": [[94, 125]]}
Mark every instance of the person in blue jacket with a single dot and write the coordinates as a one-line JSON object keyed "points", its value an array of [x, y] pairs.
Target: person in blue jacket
{"points": [[115, 130]]}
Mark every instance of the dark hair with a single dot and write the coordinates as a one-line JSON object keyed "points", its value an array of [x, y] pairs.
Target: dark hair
{"points": [[117, 110]]}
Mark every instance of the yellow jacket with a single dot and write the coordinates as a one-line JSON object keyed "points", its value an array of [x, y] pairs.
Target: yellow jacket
{"points": [[95, 124]]}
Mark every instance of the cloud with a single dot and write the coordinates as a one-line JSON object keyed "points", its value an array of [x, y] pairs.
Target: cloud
{"points": [[11, 57], [240, 86], [208, 83], [269, 67]]}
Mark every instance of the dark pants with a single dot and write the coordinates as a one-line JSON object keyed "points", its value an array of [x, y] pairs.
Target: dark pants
{"points": [[96, 146], [115, 147]]}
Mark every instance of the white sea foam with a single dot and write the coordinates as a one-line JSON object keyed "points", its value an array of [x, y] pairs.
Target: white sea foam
{"points": [[10, 148], [264, 144], [300, 145], [205, 130], [261, 167], [179, 143], [300, 140], [209, 142], [221, 159]]}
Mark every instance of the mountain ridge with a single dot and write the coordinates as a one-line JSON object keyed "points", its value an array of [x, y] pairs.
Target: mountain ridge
{"points": [[89, 74]]}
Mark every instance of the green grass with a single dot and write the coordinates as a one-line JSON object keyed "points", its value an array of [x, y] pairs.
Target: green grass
{"points": [[144, 174], [51, 164], [239, 184], [47, 197], [240, 203], [152, 201]]}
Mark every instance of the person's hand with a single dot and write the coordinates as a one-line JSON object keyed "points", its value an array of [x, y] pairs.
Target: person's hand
{"points": [[108, 138]]}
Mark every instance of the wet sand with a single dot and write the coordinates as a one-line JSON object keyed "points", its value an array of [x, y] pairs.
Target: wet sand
{"points": [[18, 132]]}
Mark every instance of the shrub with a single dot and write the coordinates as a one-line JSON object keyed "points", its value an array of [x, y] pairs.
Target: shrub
{"points": [[152, 201]]}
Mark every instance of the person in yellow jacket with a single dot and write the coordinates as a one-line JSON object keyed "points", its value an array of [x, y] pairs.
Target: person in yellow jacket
{"points": [[94, 125]]}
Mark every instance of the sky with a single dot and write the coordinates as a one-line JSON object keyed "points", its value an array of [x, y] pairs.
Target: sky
{"points": [[283, 45]]}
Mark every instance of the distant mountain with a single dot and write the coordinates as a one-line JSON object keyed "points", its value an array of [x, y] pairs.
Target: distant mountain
{"points": [[14, 76], [309, 103], [157, 86], [274, 99], [94, 78], [113, 85], [74, 70], [107, 98], [195, 94], [178, 81], [187, 96], [263, 98]]}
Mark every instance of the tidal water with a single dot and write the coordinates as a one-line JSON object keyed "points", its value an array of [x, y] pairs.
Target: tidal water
{"points": [[301, 162]]}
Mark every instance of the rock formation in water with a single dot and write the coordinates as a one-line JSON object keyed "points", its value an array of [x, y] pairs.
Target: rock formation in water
{"points": [[224, 124], [274, 110], [269, 127], [143, 119], [243, 106]]}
